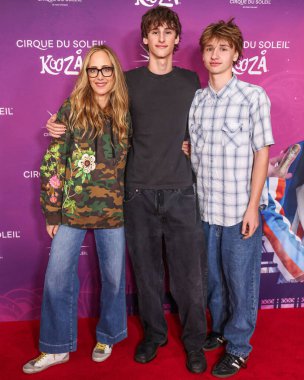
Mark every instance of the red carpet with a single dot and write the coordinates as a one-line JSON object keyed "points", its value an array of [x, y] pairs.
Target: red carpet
{"points": [[278, 352]]}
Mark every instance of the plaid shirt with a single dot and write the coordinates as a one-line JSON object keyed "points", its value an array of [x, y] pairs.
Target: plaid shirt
{"points": [[226, 128]]}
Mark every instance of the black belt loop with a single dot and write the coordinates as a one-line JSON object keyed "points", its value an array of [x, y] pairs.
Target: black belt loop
{"points": [[160, 200]]}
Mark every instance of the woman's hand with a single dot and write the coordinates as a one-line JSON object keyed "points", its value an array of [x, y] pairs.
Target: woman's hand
{"points": [[52, 230]]}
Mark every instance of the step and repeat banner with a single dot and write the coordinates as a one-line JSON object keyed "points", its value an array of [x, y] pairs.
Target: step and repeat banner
{"points": [[42, 45]]}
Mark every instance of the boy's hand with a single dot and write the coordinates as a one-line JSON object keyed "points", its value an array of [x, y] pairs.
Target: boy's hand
{"points": [[186, 148], [250, 222], [55, 129]]}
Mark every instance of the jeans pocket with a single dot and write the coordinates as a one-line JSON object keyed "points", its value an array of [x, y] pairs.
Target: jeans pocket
{"points": [[188, 191]]}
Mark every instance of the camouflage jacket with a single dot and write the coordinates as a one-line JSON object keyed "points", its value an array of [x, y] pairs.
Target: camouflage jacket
{"points": [[82, 178]]}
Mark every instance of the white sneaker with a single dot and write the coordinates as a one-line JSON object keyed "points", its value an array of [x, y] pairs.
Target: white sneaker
{"points": [[44, 361], [101, 352]]}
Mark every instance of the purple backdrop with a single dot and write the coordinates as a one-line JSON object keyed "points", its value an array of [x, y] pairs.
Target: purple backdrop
{"points": [[42, 42]]}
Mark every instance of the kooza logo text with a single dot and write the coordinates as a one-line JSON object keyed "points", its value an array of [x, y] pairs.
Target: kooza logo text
{"points": [[151, 3], [69, 65]]}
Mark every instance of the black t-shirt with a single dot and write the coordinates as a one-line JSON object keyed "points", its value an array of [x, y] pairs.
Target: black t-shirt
{"points": [[159, 107]]}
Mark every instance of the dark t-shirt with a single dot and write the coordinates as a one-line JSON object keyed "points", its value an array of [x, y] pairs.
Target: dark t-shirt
{"points": [[159, 106]]}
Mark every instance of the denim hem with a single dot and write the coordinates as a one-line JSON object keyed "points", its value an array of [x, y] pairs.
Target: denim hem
{"points": [[57, 348], [104, 338], [238, 354]]}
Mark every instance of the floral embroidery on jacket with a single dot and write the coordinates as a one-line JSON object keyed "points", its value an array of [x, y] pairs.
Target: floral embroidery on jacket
{"points": [[80, 167]]}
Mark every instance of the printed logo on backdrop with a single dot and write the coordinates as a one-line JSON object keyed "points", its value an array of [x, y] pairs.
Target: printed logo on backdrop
{"points": [[250, 3], [60, 3], [59, 63], [84, 250], [31, 174], [257, 64], [8, 235], [151, 3], [6, 111]]}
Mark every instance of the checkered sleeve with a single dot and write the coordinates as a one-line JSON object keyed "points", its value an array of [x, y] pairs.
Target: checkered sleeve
{"points": [[192, 122], [260, 120]]}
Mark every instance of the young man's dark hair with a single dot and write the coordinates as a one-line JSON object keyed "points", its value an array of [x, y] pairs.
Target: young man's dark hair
{"points": [[227, 31], [158, 16]]}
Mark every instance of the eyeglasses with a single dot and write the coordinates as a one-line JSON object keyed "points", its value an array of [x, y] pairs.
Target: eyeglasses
{"points": [[106, 71]]}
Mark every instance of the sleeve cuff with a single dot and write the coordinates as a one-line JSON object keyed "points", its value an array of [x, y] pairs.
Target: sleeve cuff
{"points": [[267, 143], [53, 219]]}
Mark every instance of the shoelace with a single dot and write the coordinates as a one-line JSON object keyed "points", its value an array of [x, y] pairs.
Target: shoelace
{"points": [[230, 359], [41, 356], [220, 339], [101, 346]]}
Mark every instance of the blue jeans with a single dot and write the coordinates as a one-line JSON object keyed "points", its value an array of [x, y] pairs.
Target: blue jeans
{"points": [[233, 284], [58, 329]]}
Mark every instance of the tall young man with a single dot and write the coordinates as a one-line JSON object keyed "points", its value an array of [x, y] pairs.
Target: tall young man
{"points": [[230, 132], [160, 203]]}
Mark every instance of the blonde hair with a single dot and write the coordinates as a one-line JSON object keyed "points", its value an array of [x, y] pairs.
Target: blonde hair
{"points": [[86, 114], [227, 31]]}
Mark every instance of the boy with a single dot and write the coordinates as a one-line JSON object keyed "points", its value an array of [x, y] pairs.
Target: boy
{"points": [[230, 132], [160, 202]]}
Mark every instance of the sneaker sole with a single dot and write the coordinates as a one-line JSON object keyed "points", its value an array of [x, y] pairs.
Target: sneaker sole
{"points": [[145, 361], [30, 371], [99, 360], [224, 376], [201, 371]]}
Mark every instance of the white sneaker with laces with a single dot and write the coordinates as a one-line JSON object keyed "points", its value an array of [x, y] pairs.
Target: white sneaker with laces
{"points": [[44, 361], [101, 352]]}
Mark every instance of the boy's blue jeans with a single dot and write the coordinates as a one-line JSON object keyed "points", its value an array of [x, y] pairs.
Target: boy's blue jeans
{"points": [[233, 284], [58, 330]]}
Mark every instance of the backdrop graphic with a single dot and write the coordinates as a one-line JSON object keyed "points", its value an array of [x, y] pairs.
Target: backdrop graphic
{"points": [[42, 45]]}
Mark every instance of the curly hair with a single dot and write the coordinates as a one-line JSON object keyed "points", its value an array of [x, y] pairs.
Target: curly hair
{"points": [[159, 16]]}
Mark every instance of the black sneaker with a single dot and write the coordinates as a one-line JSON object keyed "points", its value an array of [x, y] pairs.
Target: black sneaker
{"points": [[228, 365], [147, 351], [213, 341], [196, 361]]}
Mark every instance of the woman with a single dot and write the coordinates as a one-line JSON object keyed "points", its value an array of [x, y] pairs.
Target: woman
{"points": [[82, 188]]}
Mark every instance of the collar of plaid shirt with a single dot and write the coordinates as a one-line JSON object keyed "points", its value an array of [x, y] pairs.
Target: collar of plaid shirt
{"points": [[225, 91]]}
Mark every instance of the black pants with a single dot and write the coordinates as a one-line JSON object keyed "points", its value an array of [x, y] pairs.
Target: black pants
{"points": [[172, 215]]}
